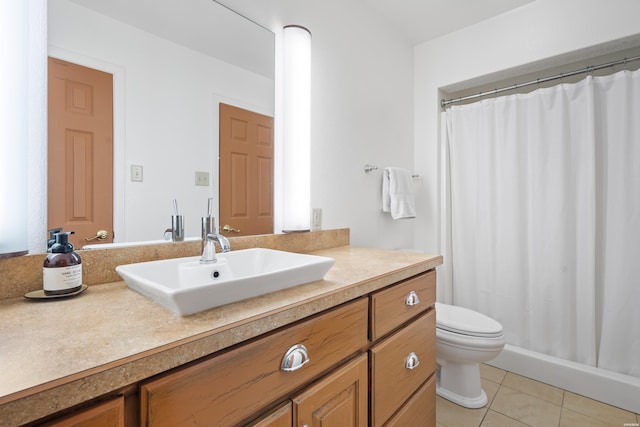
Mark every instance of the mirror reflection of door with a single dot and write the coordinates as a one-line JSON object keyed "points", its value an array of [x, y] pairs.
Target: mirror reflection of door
{"points": [[246, 172], [80, 152]]}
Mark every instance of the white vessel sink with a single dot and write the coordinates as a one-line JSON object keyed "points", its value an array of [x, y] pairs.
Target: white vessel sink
{"points": [[185, 286]]}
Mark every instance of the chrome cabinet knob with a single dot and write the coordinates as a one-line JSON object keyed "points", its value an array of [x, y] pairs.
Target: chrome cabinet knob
{"points": [[295, 358], [411, 361], [412, 299]]}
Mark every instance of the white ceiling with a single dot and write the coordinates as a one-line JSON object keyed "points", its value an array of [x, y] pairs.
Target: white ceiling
{"points": [[422, 20], [417, 20], [195, 24]]}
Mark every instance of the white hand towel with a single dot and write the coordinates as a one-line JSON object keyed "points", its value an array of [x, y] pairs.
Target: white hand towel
{"points": [[397, 193]]}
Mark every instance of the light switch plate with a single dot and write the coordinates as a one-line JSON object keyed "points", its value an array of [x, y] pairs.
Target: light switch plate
{"points": [[316, 219], [202, 178], [136, 173]]}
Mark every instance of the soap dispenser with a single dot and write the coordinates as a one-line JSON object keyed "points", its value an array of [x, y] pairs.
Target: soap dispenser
{"points": [[62, 269]]}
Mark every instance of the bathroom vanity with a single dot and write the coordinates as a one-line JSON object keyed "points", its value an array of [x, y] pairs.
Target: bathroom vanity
{"points": [[357, 348]]}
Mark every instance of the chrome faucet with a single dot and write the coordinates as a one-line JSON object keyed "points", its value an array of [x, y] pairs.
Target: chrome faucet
{"points": [[209, 251]]}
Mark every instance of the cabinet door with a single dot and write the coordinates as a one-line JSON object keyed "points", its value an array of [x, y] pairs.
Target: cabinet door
{"points": [[338, 400], [110, 413], [420, 410], [279, 417]]}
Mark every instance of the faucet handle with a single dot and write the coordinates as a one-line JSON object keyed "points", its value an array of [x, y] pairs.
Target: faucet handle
{"points": [[229, 229]]}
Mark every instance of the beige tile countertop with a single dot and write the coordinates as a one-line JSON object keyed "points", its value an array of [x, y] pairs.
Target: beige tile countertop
{"points": [[56, 354]]}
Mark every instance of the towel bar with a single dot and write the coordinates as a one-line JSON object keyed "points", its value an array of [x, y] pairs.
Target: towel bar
{"points": [[368, 168]]}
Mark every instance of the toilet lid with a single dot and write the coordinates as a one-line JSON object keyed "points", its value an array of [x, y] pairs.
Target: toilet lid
{"points": [[463, 321]]}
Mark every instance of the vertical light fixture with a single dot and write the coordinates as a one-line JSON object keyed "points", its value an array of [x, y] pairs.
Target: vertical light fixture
{"points": [[296, 100], [14, 133]]}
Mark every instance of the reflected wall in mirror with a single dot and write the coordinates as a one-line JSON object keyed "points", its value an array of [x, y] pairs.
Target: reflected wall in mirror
{"points": [[172, 62]]}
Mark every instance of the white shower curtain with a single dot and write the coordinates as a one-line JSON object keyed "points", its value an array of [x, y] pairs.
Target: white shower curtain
{"points": [[541, 217]]}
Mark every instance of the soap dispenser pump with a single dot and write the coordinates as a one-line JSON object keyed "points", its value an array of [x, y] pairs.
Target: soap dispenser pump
{"points": [[62, 268], [52, 237]]}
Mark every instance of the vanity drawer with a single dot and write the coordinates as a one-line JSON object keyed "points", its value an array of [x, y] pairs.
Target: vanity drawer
{"points": [[230, 388], [393, 380], [109, 413], [420, 410], [394, 306]]}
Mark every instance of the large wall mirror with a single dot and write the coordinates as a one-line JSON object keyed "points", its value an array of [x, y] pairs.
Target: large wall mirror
{"points": [[172, 63]]}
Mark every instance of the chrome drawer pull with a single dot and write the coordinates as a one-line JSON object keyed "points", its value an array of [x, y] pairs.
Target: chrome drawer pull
{"points": [[295, 358], [412, 361], [412, 299]]}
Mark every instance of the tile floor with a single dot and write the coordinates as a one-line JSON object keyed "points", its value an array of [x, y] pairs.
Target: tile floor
{"points": [[518, 401]]}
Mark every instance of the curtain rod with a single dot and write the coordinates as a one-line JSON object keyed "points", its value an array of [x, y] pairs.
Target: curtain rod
{"points": [[589, 69]]}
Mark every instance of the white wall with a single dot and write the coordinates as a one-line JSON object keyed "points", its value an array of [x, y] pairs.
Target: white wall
{"points": [[165, 114], [23, 71], [544, 30], [361, 112]]}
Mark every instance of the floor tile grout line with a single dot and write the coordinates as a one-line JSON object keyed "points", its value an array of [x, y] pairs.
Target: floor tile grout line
{"points": [[498, 412], [563, 397], [563, 401]]}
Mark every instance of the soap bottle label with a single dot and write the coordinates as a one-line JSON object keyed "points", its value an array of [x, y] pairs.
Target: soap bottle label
{"points": [[62, 278]]}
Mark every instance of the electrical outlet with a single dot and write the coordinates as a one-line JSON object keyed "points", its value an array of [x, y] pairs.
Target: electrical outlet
{"points": [[136, 173], [202, 178], [316, 219]]}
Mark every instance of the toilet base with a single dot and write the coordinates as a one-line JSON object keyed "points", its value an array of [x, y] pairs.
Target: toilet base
{"points": [[478, 402], [460, 384]]}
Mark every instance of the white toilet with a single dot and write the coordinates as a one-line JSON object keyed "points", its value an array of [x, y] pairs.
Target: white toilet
{"points": [[464, 339]]}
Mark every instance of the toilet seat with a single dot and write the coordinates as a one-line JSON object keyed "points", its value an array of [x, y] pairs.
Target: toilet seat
{"points": [[463, 321]]}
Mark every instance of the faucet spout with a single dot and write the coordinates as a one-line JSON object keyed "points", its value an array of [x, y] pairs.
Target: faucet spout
{"points": [[209, 251]]}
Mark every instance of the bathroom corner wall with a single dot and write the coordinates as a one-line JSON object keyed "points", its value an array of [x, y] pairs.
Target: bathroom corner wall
{"points": [[24, 274]]}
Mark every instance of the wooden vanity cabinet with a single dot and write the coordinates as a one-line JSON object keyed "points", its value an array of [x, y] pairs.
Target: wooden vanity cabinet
{"points": [[370, 362], [403, 352]]}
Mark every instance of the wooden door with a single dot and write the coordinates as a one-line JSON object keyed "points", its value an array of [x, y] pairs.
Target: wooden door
{"points": [[246, 172], [80, 158], [338, 400]]}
